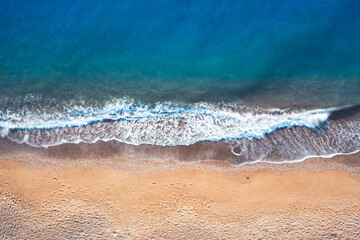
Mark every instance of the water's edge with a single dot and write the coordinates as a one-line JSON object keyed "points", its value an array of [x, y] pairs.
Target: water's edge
{"points": [[268, 136]]}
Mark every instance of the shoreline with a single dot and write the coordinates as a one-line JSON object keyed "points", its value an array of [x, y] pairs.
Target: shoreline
{"points": [[126, 198], [108, 156], [237, 137], [150, 158]]}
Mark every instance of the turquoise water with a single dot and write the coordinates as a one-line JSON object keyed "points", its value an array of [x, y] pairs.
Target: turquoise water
{"points": [[260, 79], [297, 52]]}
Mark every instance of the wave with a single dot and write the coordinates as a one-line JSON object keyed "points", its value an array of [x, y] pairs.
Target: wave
{"points": [[162, 125], [233, 132]]}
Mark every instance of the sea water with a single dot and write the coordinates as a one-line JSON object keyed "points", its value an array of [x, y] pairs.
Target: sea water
{"points": [[178, 73]]}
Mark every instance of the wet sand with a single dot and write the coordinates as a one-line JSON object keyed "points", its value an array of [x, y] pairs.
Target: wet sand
{"points": [[146, 199]]}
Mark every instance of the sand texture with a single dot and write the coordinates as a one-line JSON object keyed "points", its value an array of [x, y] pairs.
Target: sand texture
{"points": [[107, 203]]}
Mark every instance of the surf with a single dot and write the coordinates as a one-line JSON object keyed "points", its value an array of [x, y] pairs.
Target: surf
{"points": [[164, 124]]}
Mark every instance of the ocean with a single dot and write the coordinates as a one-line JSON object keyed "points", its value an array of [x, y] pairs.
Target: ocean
{"points": [[235, 81]]}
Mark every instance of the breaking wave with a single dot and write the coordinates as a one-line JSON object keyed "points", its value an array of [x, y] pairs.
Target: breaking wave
{"points": [[164, 124]]}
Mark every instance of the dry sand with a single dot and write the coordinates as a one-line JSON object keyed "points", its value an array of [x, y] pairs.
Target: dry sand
{"points": [[177, 202]]}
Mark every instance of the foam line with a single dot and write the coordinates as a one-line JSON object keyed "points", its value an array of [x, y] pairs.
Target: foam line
{"points": [[162, 125], [296, 160]]}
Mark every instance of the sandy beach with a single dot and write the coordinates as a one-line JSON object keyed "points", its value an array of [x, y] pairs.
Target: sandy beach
{"points": [[166, 200]]}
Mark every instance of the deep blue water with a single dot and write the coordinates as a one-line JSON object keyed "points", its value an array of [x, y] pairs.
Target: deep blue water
{"points": [[274, 52]]}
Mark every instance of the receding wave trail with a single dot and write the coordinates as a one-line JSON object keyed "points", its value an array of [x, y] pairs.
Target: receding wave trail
{"points": [[161, 125], [231, 132]]}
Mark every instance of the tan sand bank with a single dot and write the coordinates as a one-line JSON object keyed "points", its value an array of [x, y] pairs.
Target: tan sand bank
{"points": [[105, 203]]}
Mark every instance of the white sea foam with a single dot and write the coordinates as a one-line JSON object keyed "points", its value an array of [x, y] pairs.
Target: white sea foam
{"points": [[298, 160], [162, 125]]}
